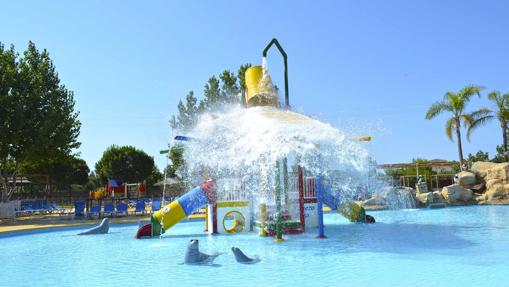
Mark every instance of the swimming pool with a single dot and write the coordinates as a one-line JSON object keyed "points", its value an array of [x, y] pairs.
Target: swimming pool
{"points": [[462, 246]]}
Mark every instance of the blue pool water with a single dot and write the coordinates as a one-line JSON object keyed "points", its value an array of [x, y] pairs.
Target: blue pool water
{"points": [[463, 246]]}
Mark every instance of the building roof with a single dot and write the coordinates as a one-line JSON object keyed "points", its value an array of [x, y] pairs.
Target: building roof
{"points": [[431, 163]]}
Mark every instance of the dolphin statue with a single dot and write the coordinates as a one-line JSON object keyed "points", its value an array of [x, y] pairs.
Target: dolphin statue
{"points": [[242, 258], [100, 229], [195, 257]]}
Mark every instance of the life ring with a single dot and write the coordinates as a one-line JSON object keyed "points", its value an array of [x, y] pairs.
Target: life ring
{"points": [[239, 222]]}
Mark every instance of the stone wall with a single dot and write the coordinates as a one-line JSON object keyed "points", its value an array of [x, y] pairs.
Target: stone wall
{"points": [[495, 177]]}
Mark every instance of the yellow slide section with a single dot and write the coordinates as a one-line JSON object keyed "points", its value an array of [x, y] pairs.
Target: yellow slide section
{"points": [[170, 215]]}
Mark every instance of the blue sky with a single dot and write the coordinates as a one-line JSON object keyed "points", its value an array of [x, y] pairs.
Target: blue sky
{"points": [[365, 66]]}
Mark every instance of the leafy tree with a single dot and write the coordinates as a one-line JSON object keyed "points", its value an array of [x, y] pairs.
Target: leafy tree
{"points": [[155, 176], [93, 182], [241, 76], [60, 172], [224, 90], [500, 156], [212, 93], [124, 163], [188, 113], [176, 156], [501, 114], [455, 103], [38, 119], [229, 88], [479, 156]]}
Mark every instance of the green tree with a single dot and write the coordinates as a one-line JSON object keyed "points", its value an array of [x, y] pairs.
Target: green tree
{"points": [[58, 172], [124, 163], [229, 89], [188, 113], [500, 155], [455, 103], [501, 113], [241, 72], [155, 177], [479, 156], [212, 93], [38, 117], [93, 182], [176, 156]]}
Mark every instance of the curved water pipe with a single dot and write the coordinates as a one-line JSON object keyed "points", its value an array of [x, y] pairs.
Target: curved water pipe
{"points": [[274, 41], [179, 209]]}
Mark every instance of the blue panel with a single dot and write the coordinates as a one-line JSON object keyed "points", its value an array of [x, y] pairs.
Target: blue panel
{"points": [[114, 183], [183, 138], [193, 200]]}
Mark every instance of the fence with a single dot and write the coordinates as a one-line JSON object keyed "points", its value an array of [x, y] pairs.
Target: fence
{"points": [[8, 209], [435, 182]]}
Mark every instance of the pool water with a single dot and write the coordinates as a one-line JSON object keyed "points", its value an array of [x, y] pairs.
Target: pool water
{"points": [[462, 246]]}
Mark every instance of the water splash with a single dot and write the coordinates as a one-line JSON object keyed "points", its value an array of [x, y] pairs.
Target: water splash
{"points": [[235, 142]]}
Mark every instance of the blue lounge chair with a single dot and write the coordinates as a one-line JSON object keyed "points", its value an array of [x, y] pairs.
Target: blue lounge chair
{"points": [[109, 209], [95, 210], [55, 208], [140, 207], [79, 208], [33, 207], [121, 208], [156, 205], [44, 206]]}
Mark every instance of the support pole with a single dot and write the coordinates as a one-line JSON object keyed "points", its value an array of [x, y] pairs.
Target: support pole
{"points": [[274, 41], [214, 218], [285, 180], [301, 199], [279, 232], [263, 211], [207, 219], [319, 195]]}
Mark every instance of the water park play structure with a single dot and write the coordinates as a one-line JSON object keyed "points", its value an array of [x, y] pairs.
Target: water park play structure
{"points": [[280, 196]]}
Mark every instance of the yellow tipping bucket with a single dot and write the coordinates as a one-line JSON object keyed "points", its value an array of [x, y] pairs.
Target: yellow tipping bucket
{"points": [[259, 94], [364, 138]]}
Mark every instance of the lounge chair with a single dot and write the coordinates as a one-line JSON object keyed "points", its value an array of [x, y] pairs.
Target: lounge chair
{"points": [[32, 207], [121, 209], [140, 207], [156, 205], [95, 210], [55, 208], [109, 209], [79, 208], [45, 207]]}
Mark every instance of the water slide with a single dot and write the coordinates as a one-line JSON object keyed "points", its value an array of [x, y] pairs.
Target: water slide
{"points": [[351, 210], [178, 210]]}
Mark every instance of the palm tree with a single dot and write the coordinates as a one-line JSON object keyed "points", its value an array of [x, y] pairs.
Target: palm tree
{"points": [[501, 113], [455, 103]]}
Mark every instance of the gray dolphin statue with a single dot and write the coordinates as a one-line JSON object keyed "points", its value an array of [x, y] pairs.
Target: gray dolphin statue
{"points": [[195, 257], [100, 229], [242, 258]]}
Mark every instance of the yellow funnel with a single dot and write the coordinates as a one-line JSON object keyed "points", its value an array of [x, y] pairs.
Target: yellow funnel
{"points": [[364, 138], [259, 94]]}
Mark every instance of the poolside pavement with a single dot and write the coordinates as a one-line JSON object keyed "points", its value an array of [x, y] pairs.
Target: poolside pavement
{"points": [[45, 221]]}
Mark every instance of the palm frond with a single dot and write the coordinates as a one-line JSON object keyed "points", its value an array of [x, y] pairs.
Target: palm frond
{"points": [[467, 92], [436, 109], [499, 100], [467, 119], [481, 113], [448, 128], [493, 95], [451, 99], [478, 122]]}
